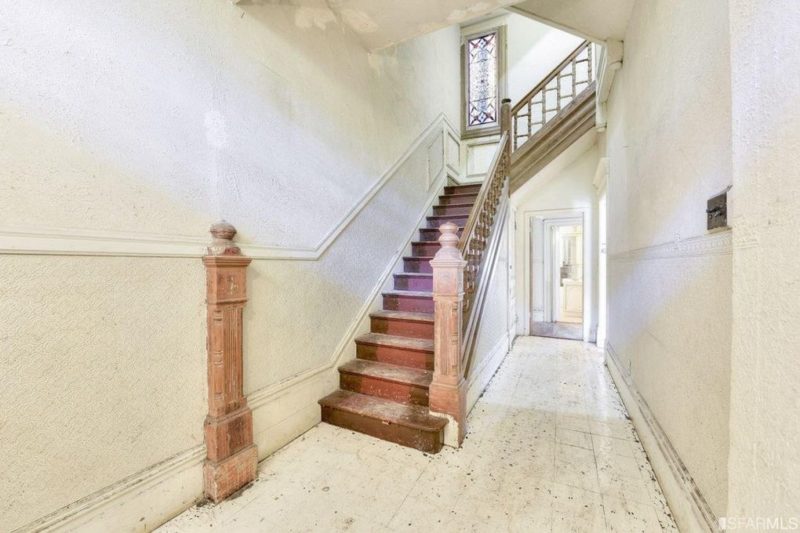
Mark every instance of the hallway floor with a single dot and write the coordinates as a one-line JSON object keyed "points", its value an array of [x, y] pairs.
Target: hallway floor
{"points": [[549, 449]]}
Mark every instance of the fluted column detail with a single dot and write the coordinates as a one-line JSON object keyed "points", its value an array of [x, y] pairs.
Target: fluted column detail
{"points": [[448, 388]]}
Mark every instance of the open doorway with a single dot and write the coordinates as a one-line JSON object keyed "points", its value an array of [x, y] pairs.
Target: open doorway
{"points": [[558, 277]]}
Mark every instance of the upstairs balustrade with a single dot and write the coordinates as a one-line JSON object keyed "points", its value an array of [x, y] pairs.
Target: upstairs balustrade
{"points": [[556, 91]]}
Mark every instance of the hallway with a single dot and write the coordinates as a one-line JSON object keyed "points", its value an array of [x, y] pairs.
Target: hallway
{"points": [[549, 449]]}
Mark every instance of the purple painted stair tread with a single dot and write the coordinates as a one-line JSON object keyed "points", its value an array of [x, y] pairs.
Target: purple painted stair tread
{"points": [[387, 411], [407, 343]]}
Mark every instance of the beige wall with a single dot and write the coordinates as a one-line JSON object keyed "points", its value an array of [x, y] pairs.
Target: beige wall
{"points": [[669, 280], [126, 129], [765, 435]]}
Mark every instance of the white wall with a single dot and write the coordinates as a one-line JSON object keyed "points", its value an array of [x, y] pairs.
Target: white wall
{"points": [[562, 188], [669, 281], [126, 129], [764, 463]]}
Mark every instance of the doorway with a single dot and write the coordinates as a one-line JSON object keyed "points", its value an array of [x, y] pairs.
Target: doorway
{"points": [[558, 277]]}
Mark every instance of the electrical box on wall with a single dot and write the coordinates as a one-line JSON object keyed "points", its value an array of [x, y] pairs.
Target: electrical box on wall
{"points": [[717, 211]]}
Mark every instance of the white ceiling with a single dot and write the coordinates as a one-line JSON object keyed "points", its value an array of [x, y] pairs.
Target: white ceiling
{"points": [[598, 20], [382, 23]]}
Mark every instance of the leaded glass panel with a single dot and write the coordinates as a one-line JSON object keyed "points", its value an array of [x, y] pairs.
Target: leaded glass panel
{"points": [[482, 80]]}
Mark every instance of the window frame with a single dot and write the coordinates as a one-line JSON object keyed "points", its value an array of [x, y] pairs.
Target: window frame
{"points": [[491, 128]]}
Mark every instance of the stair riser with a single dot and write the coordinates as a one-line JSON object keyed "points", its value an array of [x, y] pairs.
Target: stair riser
{"points": [[395, 356], [428, 248], [447, 200], [402, 328], [408, 303], [371, 386], [432, 234], [459, 221], [402, 283], [452, 210], [462, 189], [412, 264], [426, 441]]}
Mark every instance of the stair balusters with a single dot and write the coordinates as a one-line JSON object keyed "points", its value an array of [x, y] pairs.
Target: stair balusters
{"points": [[456, 269]]}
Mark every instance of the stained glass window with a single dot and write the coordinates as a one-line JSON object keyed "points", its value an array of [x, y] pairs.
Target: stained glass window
{"points": [[482, 80]]}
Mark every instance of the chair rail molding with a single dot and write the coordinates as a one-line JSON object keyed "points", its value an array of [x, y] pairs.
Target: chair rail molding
{"points": [[16, 240]]}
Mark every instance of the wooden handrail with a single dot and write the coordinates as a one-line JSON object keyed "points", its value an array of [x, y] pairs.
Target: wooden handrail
{"points": [[479, 224], [527, 101]]}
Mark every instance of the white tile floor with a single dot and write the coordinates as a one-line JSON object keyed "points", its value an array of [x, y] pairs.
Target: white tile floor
{"points": [[549, 449]]}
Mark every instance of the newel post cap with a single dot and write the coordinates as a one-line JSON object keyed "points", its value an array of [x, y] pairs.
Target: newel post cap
{"points": [[222, 234], [448, 254]]}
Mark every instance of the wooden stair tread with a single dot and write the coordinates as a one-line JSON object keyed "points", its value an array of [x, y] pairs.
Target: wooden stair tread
{"points": [[407, 343], [387, 411], [410, 294], [384, 371], [459, 194], [460, 228], [409, 316], [465, 204]]}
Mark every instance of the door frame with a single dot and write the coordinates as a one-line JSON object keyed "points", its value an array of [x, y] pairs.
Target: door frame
{"points": [[551, 266], [528, 218]]}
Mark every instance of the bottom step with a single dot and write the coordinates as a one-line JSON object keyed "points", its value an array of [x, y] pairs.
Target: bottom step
{"points": [[409, 425]]}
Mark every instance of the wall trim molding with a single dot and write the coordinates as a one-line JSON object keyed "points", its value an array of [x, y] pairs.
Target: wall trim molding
{"points": [[689, 508], [180, 477], [87, 242], [92, 508], [717, 243], [263, 395]]}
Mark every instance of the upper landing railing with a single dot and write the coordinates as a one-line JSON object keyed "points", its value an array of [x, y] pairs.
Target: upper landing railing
{"points": [[556, 91]]}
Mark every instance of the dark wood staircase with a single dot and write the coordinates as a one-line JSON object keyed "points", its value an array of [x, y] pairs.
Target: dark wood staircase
{"points": [[384, 391]]}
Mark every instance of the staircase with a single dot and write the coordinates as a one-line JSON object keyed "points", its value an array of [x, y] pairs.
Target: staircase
{"points": [[388, 389], [384, 391]]}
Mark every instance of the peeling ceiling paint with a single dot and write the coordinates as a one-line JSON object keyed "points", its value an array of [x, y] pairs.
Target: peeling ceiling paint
{"points": [[383, 23]]}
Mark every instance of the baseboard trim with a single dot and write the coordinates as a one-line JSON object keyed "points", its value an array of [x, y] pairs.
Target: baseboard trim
{"points": [[164, 490], [140, 502], [688, 506]]}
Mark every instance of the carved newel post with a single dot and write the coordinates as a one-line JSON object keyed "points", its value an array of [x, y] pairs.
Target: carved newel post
{"points": [[448, 388], [232, 457]]}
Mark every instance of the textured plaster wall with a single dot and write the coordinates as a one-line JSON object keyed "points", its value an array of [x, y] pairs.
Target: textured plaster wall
{"points": [[160, 119], [669, 283], [765, 435], [103, 374], [564, 185]]}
